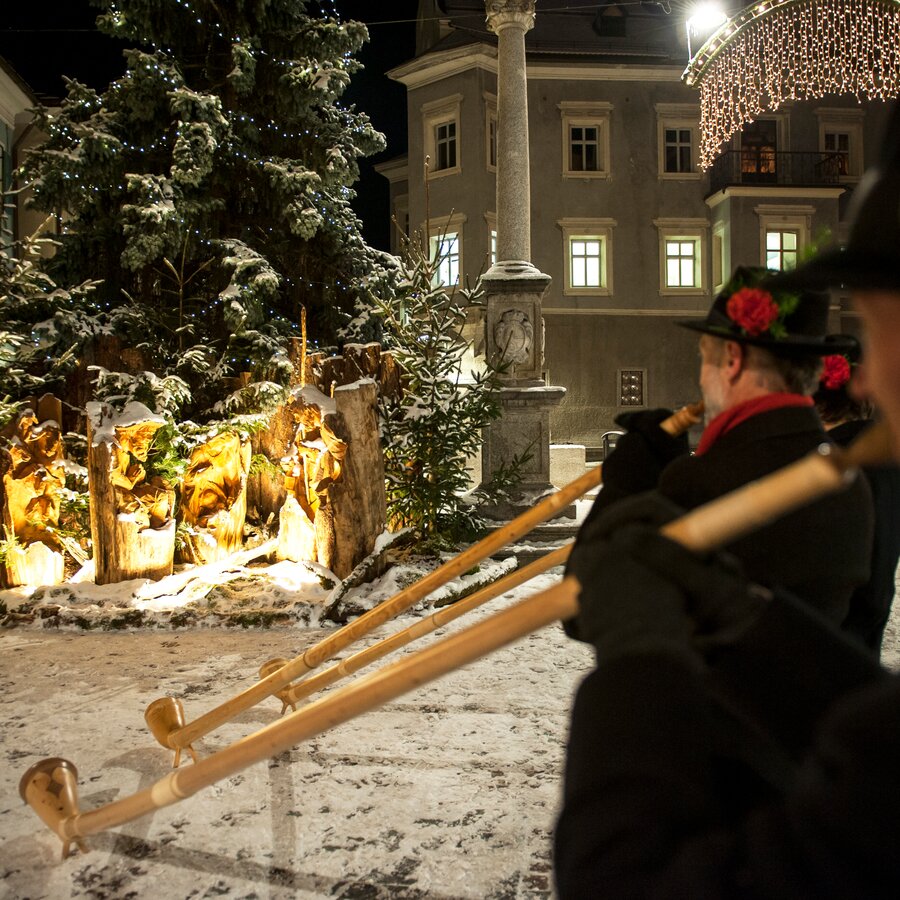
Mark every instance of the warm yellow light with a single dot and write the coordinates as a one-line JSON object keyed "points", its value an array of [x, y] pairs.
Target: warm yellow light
{"points": [[793, 50]]}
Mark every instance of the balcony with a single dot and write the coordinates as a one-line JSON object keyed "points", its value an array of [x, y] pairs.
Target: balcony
{"points": [[759, 166]]}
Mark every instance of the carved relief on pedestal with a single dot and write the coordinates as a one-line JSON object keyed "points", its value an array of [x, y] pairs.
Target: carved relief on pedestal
{"points": [[514, 337]]}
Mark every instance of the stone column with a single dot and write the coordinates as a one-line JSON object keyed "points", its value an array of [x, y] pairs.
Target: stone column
{"points": [[513, 285]]}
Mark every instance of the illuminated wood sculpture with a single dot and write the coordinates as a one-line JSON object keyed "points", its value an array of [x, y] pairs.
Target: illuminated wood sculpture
{"points": [[33, 478], [314, 465], [214, 498], [132, 522]]}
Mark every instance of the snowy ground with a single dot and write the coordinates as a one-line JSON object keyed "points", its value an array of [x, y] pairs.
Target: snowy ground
{"points": [[448, 792]]}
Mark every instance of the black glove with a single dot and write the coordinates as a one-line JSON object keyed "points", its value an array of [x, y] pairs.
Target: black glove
{"points": [[664, 446], [639, 589], [623, 605], [640, 455], [720, 600]]}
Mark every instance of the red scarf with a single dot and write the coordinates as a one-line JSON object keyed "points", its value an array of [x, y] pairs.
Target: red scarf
{"points": [[727, 420]]}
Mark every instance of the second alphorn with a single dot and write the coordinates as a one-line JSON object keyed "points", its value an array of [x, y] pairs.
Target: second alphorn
{"points": [[166, 719], [292, 694], [50, 786]]}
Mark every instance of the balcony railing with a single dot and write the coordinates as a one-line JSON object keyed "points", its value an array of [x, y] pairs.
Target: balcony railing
{"points": [[763, 165]]}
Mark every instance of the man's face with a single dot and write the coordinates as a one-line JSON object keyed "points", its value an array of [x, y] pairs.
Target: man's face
{"points": [[878, 378], [713, 383]]}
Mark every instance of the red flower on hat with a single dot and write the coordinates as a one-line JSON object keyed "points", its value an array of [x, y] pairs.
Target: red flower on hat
{"points": [[836, 372], [753, 309]]}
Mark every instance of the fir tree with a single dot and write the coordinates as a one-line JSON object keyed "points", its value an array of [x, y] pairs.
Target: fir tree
{"points": [[208, 188], [430, 432]]}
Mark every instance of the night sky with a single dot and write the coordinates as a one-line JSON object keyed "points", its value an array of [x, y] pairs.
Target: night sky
{"points": [[44, 41]]}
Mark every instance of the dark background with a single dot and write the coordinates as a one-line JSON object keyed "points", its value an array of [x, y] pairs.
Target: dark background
{"points": [[43, 41]]}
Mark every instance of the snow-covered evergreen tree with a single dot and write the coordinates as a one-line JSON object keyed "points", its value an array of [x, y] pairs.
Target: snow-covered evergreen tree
{"points": [[435, 426], [208, 189]]}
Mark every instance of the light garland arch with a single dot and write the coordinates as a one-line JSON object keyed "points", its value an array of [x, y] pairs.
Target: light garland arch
{"points": [[782, 50]]}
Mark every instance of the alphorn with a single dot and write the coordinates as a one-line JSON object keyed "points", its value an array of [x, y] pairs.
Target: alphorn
{"points": [[291, 695], [166, 719], [50, 786]]}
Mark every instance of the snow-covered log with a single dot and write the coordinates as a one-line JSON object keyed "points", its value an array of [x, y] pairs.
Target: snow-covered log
{"points": [[132, 523]]}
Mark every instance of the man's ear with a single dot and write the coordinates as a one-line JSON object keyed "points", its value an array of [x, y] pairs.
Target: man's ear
{"points": [[735, 359]]}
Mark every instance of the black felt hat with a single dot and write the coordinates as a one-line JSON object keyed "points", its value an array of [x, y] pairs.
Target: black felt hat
{"points": [[787, 323], [871, 259]]}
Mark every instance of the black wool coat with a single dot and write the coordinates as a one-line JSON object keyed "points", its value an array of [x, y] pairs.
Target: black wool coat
{"points": [[647, 815], [820, 552]]}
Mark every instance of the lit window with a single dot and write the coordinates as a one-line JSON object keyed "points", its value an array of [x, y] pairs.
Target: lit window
{"points": [[681, 263], [586, 262], [587, 245], [493, 247], [681, 255], [781, 250], [445, 255]]}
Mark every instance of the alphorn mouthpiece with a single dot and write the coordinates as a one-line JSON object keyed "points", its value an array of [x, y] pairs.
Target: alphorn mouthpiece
{"points": [[682, 419]]}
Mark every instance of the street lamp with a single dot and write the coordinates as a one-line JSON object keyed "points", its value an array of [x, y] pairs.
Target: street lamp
{"points": [[704, 19]]}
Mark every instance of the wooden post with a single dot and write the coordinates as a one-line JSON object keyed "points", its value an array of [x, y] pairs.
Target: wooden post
{"points": [[132, 526]]}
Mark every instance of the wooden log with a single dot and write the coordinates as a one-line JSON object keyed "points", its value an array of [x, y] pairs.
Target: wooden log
{"points": [[357, 500], [133, 533]]}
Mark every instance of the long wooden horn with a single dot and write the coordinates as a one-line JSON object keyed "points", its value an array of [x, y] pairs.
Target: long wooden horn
{"points": [[705, 528], [291, 695], [165, 716]]}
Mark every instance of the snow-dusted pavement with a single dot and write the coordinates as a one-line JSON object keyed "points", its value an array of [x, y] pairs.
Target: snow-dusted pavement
{"points": [[450, 791]]}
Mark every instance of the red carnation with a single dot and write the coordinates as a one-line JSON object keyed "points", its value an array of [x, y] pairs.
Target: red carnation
{"points": [[836, 372], [753, 309]]}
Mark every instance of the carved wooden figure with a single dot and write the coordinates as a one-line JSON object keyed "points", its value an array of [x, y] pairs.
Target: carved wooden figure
{"points": [[33, 479], [214, 498], [132, 523], [311, 469]]}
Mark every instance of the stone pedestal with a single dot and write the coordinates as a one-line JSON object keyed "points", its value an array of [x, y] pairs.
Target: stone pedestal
{"points": [[514, 341]]}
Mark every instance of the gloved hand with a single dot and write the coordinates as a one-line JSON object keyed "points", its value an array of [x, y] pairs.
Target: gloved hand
{"points": [[640, 455], [664, 446], [639, 589], [623, 604]]}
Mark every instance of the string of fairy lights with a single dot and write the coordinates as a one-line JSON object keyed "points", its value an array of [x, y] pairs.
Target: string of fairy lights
{"points": [[782, 50]]}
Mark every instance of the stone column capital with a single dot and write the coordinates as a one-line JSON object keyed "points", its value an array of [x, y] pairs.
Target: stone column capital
{"points": [[503, 14]]}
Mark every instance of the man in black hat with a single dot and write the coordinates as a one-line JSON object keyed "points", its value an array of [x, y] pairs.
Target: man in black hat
{"points": [[761, 352], [646, 810]]}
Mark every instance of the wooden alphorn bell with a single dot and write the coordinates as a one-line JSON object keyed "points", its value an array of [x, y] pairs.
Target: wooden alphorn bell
{"points": [[166, 719], [706, 528]]}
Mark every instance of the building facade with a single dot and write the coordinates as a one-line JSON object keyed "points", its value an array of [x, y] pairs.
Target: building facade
{"points": [[632, 233]]}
